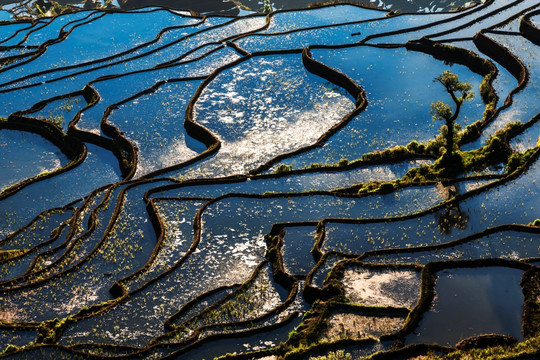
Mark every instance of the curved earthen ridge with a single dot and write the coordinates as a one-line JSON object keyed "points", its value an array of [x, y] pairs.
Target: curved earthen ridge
{"points": [[120, 145], [291, 287], [528, 29], [44, 214], [428, 286], [446, 53], [411, 351], [486, 232], [127, 153], [70, 146], [169, 323], [486, 341], [41, 50], [503, 57], [74, 243], [292, 31], [485, 16], [485, 5], [15, 58], [531, 309], [63, 35], [337, 78], [31, 22], [321, 256], [318, 253], [120, 292], [212, 142], [33, 279], [61, 31]]}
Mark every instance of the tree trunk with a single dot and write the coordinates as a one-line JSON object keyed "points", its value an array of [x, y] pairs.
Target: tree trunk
{"points": [[450, 136], [450, 127]]}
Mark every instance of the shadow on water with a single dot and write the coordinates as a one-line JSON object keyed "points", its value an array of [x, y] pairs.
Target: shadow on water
{"points": [[472, 301]]}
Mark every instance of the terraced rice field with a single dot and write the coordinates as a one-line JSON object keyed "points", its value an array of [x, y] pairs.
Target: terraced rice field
{"points": [[269, 186]]}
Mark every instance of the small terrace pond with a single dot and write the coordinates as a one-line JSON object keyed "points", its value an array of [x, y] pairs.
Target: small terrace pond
{"points": [[471, 302]]}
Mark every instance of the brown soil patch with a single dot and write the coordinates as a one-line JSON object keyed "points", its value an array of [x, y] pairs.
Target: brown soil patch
{"points": [[357, 326]]}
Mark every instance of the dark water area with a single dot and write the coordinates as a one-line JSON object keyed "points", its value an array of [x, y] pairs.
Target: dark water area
{"points": [[472, 302], [243, 7], [239, 7]]}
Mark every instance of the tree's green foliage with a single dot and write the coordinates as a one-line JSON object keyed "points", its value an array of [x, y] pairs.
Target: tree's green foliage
{"points": [[452, 84], [441, 110], [459, 91]]}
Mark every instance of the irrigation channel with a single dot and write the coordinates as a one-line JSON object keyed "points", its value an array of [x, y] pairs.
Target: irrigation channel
{"points": [[270, 181]]}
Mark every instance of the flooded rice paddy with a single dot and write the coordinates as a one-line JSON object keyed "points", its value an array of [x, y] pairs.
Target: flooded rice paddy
{"points": [[267, 185]]}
